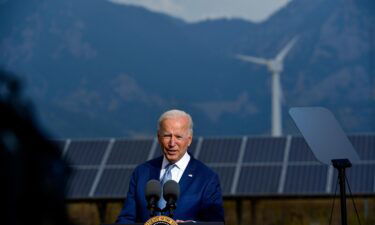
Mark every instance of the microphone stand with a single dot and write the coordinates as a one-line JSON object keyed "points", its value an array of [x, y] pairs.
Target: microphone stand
{"points": [[341, 165], [152, 206], [170, 207], [154, 210]]}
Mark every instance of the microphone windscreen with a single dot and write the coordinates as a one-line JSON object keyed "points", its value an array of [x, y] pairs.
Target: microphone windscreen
{"points": [[171, 189], [153, 189]]}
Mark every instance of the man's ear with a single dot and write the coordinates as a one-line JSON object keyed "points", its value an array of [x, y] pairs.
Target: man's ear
{"points": [[190, 140]]}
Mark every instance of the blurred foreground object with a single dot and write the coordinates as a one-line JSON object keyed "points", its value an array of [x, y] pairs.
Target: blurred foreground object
{"points": [[33, 173]]}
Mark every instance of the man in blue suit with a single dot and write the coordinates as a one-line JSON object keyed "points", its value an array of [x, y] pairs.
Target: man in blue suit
{"points": [[200, 193]]}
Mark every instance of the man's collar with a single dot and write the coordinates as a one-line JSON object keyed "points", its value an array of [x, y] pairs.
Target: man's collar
{"points": [[181, 164]]}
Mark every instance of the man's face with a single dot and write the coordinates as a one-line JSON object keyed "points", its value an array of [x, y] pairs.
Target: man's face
{"points": [[174, 137]]}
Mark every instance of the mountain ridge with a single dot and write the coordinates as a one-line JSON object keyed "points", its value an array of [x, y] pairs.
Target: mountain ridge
{"points": [[99, 69]]}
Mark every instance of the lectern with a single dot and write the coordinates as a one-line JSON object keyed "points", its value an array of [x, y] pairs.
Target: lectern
{"points": [[197, 223]]}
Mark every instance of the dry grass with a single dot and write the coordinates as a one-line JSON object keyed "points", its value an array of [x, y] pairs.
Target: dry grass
{"points": [[244, 212]]}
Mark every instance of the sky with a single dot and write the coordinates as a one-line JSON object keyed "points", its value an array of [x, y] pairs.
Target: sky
{"points": [[197, 10]]}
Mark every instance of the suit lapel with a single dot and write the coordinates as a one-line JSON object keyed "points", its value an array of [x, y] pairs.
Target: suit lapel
{"points": [[188, 175]]}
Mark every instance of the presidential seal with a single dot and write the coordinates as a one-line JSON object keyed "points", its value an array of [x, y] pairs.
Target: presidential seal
{"points": [[161, 220]]}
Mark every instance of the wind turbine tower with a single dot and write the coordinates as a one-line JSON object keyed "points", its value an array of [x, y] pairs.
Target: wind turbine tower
{"points": [[275, 66]]}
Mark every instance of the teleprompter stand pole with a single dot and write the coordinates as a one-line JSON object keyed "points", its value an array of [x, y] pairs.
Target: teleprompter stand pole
{"points": [[341, 165]]}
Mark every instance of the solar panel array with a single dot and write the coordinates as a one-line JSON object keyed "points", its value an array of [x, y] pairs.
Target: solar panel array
{"points": [[247, 166]]}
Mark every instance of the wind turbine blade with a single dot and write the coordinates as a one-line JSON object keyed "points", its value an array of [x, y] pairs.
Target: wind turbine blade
{"points": [[286, 49], [252, 59]]}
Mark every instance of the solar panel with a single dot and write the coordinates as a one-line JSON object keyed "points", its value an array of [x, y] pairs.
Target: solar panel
{"points": [[114, 183], [129, 152], [262, 167], [80, 182], [300, 151], [191, 149], [257, 180], [364, 145], [221, 150], [87, 152], [306, 179], [264, 149], [361, 178], [226, 175]]}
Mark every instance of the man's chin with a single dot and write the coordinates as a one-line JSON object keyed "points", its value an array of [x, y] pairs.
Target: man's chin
{"points": [[171, 158]]}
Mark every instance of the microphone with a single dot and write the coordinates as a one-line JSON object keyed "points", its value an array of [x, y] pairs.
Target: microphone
{"points": [[171, 192], [153, 192]]}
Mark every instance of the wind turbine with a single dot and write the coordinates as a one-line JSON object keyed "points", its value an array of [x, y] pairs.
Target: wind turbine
{"points": [[275, 66]]}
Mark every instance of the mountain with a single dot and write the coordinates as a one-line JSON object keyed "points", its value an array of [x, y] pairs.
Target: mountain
{"points": [[94, 68]]}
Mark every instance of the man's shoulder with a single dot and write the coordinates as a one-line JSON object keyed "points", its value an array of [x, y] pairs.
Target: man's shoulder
{"points": [[150, 164]]}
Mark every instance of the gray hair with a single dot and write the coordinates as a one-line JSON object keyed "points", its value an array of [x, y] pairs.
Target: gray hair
{"points": [[173, 114]]}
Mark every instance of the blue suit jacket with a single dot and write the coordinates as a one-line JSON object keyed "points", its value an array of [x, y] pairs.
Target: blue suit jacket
{"points": [[200, 193]]}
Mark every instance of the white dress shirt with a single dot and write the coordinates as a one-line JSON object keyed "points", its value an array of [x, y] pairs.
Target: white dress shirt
{"points": [[178, 170]]}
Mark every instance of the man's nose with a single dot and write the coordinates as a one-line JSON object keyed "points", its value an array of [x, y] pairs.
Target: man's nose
{"points": [[172, 141]]}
